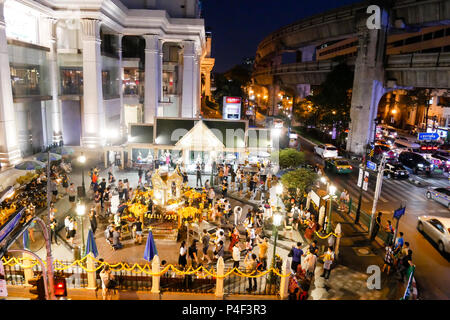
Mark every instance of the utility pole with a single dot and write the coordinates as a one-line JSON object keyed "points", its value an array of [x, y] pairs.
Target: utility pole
{"points": [[377, 191]]}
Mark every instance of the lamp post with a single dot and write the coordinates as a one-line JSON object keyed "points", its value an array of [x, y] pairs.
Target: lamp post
{"points": [[81, 210], [82, 160], [276, 223], [332, 191]]}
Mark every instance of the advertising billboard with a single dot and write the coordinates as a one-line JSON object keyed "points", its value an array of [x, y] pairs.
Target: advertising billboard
{"points": [[231, 108]]}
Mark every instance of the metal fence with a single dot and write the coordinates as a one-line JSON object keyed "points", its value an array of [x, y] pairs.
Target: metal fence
{"points": [[268, 284], [200, 282]]}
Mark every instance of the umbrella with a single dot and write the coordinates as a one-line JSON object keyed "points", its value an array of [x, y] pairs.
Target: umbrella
{"points": [[62, 150], [43, 156], [26, 239], [30, 165], [91, 246], [150, 248]]}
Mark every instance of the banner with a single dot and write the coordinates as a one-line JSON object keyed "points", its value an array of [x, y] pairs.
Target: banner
{"points": [[366, 180], [360, 178], [315, 198]]}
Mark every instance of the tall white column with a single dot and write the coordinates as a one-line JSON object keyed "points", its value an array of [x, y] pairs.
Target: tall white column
{"points": [[93, 125], [199, 88], [188, 94], [9, 147], [56, 115], [123, 125], [160, 73], [151, 94]]}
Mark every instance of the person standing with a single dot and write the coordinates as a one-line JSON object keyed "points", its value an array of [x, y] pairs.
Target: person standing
{"points": [[137, 226], [140, 173], [53, 229], [120, 187], [211, 196], [310, 262], [72, 230], [66, 226], [263, 246], [106, 278], [193, 253], [224, 188], [388, 259], [390, 231], [376, 227], [205, 243], [198, 171], [237, 211], [97, 202], [234, 238], [250, 267], [72, 191], [182, 260], [328, 258], [93, 220], [296, 253], [236, 254], [107, 201]]}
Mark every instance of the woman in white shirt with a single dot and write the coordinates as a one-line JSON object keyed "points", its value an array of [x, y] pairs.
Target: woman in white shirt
{"points": [[182, 260]]}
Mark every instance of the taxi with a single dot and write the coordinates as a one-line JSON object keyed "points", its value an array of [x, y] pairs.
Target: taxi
{"points": [[338, 165]]}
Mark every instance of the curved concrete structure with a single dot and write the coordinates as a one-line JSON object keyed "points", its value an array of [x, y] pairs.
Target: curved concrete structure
{"points": [[372, 68]]}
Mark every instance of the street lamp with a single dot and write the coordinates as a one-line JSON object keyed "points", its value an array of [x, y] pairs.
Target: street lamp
{"points": [[82, 160], [332, 191], [81, 210], [277, 217]]}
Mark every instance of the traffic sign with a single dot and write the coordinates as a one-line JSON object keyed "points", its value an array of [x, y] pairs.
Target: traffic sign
{"points": [[427, 136], [371, 165], [360, 178]]}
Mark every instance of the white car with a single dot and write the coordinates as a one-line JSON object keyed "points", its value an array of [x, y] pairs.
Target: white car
{"points": [[326, 151], [438, 229]]}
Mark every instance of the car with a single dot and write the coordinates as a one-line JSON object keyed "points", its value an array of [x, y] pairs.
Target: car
{"points": [[395, 170], [441, 195], [326, 151], [338, 166], [438, 229], [441, 159], [389, 131], [379, 150], [415, 162], [382, 143]]}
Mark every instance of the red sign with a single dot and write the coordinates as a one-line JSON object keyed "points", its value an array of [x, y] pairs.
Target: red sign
{"points": [[233, 100]]}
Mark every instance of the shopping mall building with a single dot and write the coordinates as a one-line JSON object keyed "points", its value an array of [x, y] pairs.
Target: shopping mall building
{"points": [[83, 73]]}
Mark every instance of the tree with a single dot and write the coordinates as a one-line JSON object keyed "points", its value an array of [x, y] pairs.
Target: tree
{"points": [[231, 83], [331, 101], [289, 158], [299, 181]]}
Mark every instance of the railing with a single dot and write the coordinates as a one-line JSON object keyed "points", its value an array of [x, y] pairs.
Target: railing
{"points": [[268, 284], [137, 279], [419, 60]]}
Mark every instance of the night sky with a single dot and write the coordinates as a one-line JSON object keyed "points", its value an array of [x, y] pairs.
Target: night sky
{"points": [[238, 26]]}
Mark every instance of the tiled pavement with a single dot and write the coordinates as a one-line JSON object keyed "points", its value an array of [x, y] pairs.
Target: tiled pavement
{"points": [[347, 280]]}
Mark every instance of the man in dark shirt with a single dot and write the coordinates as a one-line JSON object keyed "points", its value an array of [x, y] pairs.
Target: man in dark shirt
{"points": [[102, 188], [138, 229], [193, 253], [313, 248], [296, 253]]}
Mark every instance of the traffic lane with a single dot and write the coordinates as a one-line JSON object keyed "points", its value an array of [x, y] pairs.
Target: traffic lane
{"points": [[432, 268]]}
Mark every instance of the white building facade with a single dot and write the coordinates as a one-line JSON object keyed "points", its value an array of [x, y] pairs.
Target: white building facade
{"points": [[79, 72]]}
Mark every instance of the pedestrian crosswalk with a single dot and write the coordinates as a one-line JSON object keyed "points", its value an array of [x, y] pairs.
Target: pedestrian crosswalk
{"points": [[392, 190]]}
